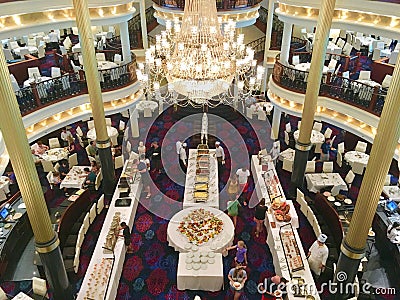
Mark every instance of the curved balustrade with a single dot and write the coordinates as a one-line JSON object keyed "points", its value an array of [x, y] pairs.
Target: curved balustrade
{"points": [[41, 94], [221, 4], [349, 91]]}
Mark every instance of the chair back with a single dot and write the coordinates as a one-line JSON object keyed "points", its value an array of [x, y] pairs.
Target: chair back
{"points": [[41, 51], [3, 295], [376, 54], [310, 167], [80, 58], [295, 60], [328, 133], [54, 143], [79, 131], [341, 147], [358, 168], [39, 286], [114, 140], [99, 178], [14, 45], [386, 81], [90, 124], [47, 166], [361, 146], [92, 213], [118, 58], [286, 137], [335, 190], [317, 126], [100, 204], [288, 127], [287, 165], [8, 55], [55, 72], [365, 75], [73, 160], [121, 126], [347, 49], [147, 112], [23, 52], [108, 122], [63, 50], [340, 43], [349, 177], [33, 71], [57, 167], [100, 57], [128, 147], [118, 162], [261, 115], [393, 56], [346, 74], [388, 178], [327, 167], [339, 159], [49, 178]]}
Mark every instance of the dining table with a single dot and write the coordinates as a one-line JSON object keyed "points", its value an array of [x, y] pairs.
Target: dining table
{"points": [[356, 156], [287, 154], [104, 65], [75, 178], [55, 154], [318, 181], [77, 47], [112, 132], [22, 296], [305, 67], [31, 49], [29, 81], [316, 137], [392, 191], [369, 82]]}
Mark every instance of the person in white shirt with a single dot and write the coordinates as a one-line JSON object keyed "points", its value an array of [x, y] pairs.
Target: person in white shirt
{"points": [[317, 255], [220, 155], [275, 152], [53, 40], [183, 157], [178, 147], [64, 136], [242, 175], [141, 149]]}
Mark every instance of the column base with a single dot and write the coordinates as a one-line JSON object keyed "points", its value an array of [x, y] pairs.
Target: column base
{"points": [[346, 271], [107, 166], [51, 258], [299, 167]]}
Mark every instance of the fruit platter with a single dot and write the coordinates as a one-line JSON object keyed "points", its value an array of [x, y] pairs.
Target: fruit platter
{"points": [[200, 226], [281, 210]]}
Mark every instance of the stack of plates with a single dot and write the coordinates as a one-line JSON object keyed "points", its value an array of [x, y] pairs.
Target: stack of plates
{"points": [[331, 198], [337, 204], [348, 201]]}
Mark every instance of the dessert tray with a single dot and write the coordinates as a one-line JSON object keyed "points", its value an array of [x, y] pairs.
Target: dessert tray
{"points": [[281, 210], [291, 249], [200, 226]]}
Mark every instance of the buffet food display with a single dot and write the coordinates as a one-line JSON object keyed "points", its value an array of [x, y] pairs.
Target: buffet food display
{"points": [[200, 226], [200, 193], [112, 236], [273, 185], [98, 279], [291, 249], [281, 210]]}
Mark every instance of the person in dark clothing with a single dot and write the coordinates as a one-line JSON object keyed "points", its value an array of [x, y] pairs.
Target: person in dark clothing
{"points": [[155, 157], [144, 176], [63, 169], [325, 150], [270, 286], [259, 216], [126, 233]]}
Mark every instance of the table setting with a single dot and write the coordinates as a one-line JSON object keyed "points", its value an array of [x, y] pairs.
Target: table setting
{"points": [[31, 49], [317, 181], [29, 81], [111, 132], [305, 67], [287, 154], [55, 154], [356, 156], [316, 136], [75, 178], [393, 192]]}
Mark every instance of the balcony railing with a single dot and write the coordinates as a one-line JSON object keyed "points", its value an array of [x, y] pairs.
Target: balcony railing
{"points": [[221, 4], [349, 91], [42, 94]]}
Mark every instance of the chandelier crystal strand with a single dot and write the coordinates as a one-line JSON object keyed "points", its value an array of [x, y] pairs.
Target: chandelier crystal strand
{"points": [[199, 61]]}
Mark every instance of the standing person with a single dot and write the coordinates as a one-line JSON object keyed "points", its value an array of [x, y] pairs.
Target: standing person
{"points": [[325, 150], [63, 169], [271, 285], [275, 152], [233, 210], [242, 175], [220, 155], [233, 188], [144, 176], [155, 157], [317, 255], [64, 136], [183, 157], [141, 149], [237, 276], [126, 233], [259, 216], [54, 40], [241, 253], [178, 147]]}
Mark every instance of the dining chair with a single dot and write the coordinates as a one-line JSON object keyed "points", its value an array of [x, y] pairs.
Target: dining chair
{"points": [[118, 58], [388, 178], [393, 56], [335, 190], [14, 83], [327, 167], [54, 143], [361, 147], [147, 112], [341, 147], [34, 71], [100, 204], [128, 147], [340, 43], [286, 137], [376, 54], [310, 167], [99, 178], [14, 45], [101, 56], [328, 133], [298, 125], [288, 127], [287, 165], [90, 124], [249, 112], [39, 286], [386, 81], [41, 51], [114, 140], [79, 131], [55, 72], [8, 55], [47, 166], [295, 60], [108, 122], [342, 33], [49, 178], [317, 126], [357, 168], [63, 50], [73, 160], [76, 259], [121, 126], [349, 177], [118, 162], [357, 44], [261, 115], [365, 75], [332, 65], [299, 195], [92, 213]]}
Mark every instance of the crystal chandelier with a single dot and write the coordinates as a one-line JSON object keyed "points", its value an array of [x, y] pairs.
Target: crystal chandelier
{"points": [[199, 61]]}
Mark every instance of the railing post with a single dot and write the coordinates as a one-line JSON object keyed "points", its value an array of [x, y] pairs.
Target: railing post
{"points": [[36, 94], [374, 98], [346, 63]]}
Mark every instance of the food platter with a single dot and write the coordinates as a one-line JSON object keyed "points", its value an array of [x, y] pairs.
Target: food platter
{"points": [[291, 249]]}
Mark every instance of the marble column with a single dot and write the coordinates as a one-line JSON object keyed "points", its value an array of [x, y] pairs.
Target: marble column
{"points": [[268, 32], [385, 143], [303, 143], [276, 121], [135, 123], [95, 95], [125, 43], [142, 8], [286, 38], [46, 240]]}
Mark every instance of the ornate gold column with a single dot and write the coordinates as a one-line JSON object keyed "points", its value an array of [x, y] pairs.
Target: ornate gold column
{"points": [[303, 143], [46, 240], [96, 99], [385, 142]]}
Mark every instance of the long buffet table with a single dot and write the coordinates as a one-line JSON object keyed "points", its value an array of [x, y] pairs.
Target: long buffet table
{"points": [[102, 260], [282, 262], [213, 194]]}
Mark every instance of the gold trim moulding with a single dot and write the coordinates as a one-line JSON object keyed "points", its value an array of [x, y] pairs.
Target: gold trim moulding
{"points": [[60, 15], [49, 248]]}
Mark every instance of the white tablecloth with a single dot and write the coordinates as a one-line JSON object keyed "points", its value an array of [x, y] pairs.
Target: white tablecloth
{"points": [[146, 104], [287, 154], [31, 49], [77, 47], [104, 65], [75, 178], [213, 193], [4, 187], [393, 192], [316, 137], [369, 82], [305, 67], [128, 216], [333, 49], [111, 131], [356, 156], [365, 40], [22, 296], [317, 181], [209, 279], [27, 83], [178, 241], [55, 154]]}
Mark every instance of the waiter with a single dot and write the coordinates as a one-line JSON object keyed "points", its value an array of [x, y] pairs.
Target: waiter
{"points": [[183, 157], [220, 155], [317, 255]]}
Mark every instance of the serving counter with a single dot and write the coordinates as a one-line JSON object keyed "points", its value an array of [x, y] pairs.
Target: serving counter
{"points": [[282, 237], [104, 271]]}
